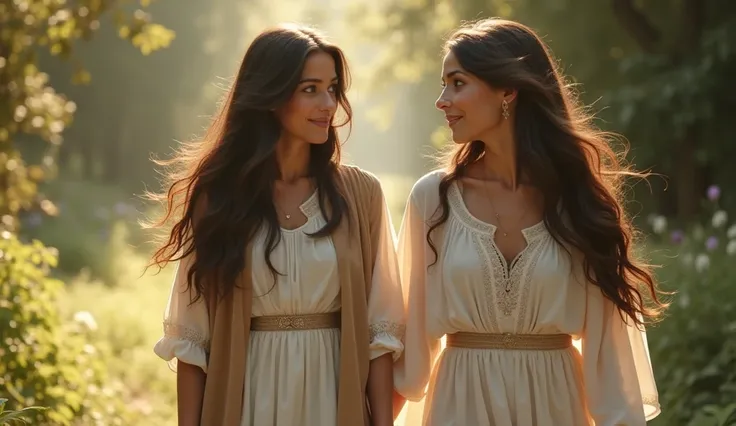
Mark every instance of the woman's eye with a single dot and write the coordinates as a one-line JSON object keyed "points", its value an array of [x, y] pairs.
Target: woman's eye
{"points": [[458, 83], [309, 89], [333, 88]]}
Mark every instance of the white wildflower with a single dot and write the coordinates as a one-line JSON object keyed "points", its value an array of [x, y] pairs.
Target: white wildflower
{"points": [[731, 233], [659, 224], [86, 319], [702, 262], [687, 259], [719, 218], [731, 247]]}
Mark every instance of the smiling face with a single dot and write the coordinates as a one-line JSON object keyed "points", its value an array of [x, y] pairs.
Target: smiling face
{"points": [[308, 115], [473, 109]]}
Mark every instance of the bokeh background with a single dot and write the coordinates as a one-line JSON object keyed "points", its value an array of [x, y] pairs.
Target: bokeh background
{"points": [[91, 89]]}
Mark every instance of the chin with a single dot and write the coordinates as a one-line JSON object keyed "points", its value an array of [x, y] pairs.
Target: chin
{"points": [[318, 140], [460, 139]]}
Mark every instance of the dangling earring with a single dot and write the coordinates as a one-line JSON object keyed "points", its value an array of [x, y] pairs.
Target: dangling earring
{"points": [[505, 108]]}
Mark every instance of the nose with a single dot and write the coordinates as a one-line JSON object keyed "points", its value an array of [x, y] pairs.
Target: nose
{"points": [[442, 102], [329, 102]]}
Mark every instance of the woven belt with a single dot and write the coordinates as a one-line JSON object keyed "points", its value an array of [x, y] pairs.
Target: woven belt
{"points": [[295, 322], [538, 342]]}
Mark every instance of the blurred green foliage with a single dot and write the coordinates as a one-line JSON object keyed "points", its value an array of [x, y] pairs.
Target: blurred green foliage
{"points": [[44, 360], [30, 107], [693, 349]]}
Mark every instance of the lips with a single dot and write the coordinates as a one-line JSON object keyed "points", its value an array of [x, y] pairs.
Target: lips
{"points": [[453, 119], [321, 122]]}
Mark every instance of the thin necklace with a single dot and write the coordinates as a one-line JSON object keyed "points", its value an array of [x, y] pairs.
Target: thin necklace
{"points": [[495, 212], [288, 215]]}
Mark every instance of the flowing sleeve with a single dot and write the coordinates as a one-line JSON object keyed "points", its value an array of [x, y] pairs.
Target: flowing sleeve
{"points": [[414, 367], [619, 381], [385, 303], [185, 326]]}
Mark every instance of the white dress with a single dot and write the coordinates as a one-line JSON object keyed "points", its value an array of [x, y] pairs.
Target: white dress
{"points": [[608, 382], [292, 376]]}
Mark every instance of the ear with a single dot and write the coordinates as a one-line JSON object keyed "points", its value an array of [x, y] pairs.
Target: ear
{"points": [[509, 95]]}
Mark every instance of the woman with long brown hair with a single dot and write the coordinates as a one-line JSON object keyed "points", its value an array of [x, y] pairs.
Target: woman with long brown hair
{"points": [[518, 247], [286, 307]]}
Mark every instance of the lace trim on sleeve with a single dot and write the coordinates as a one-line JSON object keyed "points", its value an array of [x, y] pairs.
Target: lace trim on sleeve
{"points": [[387, 328], [179, 331]]}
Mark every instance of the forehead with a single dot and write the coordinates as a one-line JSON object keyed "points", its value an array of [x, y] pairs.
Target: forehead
{"points": [[319, 64], [450, 64]]}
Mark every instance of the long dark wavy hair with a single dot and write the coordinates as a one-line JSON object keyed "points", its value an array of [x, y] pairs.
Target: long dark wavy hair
{"points": [[564, 155], [220, 188]]}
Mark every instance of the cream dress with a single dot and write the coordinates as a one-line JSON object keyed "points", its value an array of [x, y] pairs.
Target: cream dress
{"points": [[608, 381], [292, 376]]}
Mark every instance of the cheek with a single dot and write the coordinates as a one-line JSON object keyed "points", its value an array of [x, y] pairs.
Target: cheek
{"points": [[476, 106], [294, 113]]}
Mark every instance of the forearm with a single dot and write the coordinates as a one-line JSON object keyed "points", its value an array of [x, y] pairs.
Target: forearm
{"points": [[190, 381], [380, 390]]}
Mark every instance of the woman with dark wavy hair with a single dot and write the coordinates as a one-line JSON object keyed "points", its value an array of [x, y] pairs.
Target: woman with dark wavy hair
{"points": [[519, 246], [286, 307]]}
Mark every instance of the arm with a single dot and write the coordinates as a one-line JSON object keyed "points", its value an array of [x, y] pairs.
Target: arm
{"points": [[619, 382], [385, 316], [189, 393], [184, 346], [412, 370]]}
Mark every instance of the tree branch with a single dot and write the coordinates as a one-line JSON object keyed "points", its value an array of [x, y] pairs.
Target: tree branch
{"points": [[637, 24]]}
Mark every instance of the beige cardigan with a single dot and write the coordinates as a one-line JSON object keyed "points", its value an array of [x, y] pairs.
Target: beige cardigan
{"points": [[356, 242]]}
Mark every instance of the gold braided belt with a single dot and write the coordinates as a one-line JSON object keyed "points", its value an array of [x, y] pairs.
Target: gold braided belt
{"points": [[295, 322], [531, 342]]}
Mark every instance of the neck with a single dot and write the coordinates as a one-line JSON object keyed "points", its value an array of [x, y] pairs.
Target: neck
{"points": [[499, 160], [293, 160]]}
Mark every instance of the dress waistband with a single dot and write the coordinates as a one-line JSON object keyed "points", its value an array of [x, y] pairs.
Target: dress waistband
{"points": [[295, 322], [539, 342]]}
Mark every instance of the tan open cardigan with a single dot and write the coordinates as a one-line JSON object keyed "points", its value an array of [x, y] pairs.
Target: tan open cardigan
{"points": [[356, 243]]}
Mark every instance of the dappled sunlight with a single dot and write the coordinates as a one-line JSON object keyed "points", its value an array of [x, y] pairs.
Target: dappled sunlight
{"points": [[77, 136]]}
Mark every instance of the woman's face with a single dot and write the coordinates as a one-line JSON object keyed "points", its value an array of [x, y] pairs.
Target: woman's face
{"points": [[472, 108], [308, 115]]}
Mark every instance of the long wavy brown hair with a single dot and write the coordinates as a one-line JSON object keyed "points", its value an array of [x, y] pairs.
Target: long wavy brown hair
{"points": [[565, 156], [220, 188]]}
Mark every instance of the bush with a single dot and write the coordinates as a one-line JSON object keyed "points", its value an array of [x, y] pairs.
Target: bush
{"points": [[694, 348], [44, 361]]}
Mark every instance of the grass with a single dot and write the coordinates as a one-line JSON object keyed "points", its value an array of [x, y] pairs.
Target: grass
{"points": [[128, 314]]}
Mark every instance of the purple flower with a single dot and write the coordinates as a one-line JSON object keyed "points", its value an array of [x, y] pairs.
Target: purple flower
{"points": [[711, 243], [677, 236], [714, 192]]}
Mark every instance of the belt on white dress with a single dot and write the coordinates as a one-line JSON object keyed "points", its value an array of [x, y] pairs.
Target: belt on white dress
{"points": [[295, 322], [538, 342]]}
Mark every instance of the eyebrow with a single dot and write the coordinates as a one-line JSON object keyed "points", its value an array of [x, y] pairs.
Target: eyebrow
{"points": [[315, 80], [452, 73]]}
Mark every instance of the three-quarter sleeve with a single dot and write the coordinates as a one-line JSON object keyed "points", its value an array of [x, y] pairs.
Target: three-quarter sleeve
{"points": [[385, 301], [185, 326], [619, 381], [413, 369]]}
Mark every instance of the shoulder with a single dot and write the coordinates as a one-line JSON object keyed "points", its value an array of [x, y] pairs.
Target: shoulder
{"points": [[359, 181], [426, 189]]}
